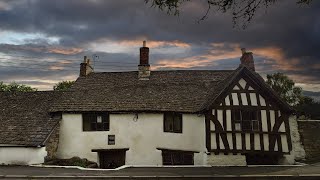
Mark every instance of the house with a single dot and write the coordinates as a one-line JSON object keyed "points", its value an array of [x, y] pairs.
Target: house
{"points": [[177, 117], [26, 127]]}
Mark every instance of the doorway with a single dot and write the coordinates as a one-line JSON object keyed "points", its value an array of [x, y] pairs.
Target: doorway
{"points": [[111, 158], [262, 159]]}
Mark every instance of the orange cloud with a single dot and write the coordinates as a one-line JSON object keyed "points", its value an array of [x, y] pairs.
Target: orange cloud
{"points": [[277, 58], [125, 44], [64, 51], [274, 56], [55, 68], [216, 54], [155, 44], [65, 62]]}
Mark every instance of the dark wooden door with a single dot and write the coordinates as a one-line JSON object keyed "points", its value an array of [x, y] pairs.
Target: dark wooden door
{"points": [[112, 159], [262, 159]]}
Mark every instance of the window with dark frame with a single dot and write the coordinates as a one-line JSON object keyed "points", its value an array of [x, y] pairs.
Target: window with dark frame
{"points": [[246, 120], [95, 122], [172, 122]]}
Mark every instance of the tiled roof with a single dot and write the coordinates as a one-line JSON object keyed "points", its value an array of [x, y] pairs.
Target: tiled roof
{"points": [[181, 90], [24, 117]]}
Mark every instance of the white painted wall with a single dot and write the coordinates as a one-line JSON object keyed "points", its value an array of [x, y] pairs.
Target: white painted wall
{"points": [[22, 155], [142, 137]]}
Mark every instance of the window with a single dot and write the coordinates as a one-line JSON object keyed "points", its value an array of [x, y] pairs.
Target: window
{"points": [[173, 122], [246, 120], [177, 158], [95, 122]]}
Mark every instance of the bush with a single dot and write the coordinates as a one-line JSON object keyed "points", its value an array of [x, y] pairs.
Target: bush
{"points": [[74, 161]]}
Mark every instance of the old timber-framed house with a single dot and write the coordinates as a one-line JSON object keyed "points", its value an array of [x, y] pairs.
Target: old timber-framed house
{"points": [[144, 117]]}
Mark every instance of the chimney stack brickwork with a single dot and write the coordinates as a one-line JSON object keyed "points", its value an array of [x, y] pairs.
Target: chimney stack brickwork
{"points": [[85, 67], [144, 66], [247, 59]]}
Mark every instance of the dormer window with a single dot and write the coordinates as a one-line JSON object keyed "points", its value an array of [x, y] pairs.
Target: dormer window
{"points": [[95, 122], [246, 120], [172, 122]]}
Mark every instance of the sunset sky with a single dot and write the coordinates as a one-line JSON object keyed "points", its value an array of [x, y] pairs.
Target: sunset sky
{"points": [[43, 42]]}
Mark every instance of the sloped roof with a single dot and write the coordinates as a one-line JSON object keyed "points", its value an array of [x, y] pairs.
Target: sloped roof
{"points": [[259, 81], [24, 117], [180, 90]]}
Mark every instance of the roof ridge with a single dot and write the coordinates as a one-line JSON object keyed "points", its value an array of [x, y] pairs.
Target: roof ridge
{"points": [[179, 70]]}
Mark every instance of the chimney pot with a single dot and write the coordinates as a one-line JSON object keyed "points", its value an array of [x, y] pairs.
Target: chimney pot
{"points": [[144, 55], [243, 50], [144, 66], [247, 59], [85, 67]]}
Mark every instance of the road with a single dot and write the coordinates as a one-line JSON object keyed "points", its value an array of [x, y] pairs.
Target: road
{"points": [[262, 172]]}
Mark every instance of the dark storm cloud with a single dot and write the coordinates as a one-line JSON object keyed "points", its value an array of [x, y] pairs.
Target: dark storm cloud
{"points": [[293, 29], [82, 21]]}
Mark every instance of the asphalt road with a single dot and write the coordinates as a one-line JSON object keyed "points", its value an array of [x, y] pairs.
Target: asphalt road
{"points": [[264, 172]]}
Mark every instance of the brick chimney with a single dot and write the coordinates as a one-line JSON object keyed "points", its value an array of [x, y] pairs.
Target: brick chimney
{"points": [[144, 66], [247, 59], [85, 67]]}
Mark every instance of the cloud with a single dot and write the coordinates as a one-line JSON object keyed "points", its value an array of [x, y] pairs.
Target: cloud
{"points": [[9, 48], [276, 57], [131, 46], [284, 39], [64, 51], [216, 53]]}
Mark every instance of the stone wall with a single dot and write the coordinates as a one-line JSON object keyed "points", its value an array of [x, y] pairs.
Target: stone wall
{"points": [[52, 143], [298, 153], [229, 160], [310, 137]]}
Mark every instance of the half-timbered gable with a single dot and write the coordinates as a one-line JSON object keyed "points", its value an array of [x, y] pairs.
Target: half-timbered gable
{"points": [[247, 117]]}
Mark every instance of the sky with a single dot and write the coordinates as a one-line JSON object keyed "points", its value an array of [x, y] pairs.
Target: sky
{"points": [[43, 42]]}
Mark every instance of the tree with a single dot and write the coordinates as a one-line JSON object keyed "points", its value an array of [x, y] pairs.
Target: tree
{"points": [[286, 88], [63, 85], [14, 87], [242, 10]]}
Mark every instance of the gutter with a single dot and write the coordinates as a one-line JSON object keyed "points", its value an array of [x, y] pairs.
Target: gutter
{"points": [[55, 126]]}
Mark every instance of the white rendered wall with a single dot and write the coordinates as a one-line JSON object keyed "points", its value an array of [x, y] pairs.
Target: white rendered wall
{"points": [[22, 155], [142, 137]]}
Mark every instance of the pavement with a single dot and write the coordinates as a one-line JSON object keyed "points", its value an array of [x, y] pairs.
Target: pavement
{"points": [[248, 172]]}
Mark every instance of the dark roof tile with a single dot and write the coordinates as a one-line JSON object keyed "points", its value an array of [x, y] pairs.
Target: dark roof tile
{"points": [[24, 117], [183, 91]]}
